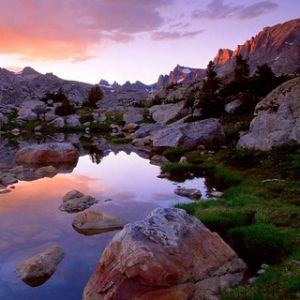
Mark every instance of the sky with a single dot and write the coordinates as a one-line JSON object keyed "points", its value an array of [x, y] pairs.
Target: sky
{"points": [[120, 40]]}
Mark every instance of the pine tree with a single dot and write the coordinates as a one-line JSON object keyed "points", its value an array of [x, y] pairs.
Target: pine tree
{"points": [[212, 83], [95, 95], [210, 103], [242, 70]]}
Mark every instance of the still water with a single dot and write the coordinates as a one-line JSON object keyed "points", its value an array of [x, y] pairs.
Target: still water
{"points": [[30, 220]]}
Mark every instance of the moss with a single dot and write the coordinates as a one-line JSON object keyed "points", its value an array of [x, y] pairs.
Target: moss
{"points": [[174, 154], [120, 140]]}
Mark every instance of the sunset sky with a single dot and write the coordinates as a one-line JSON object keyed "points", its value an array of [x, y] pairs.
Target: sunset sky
{"points": [[132, 40]]}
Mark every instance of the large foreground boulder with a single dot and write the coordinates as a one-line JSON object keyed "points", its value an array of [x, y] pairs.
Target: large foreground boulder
{"points": [[36, 270], [50, 153], [169, 255], [277, 118], [207, 132]]}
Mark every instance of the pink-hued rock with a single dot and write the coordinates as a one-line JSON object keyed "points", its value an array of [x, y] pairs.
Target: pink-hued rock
{"points": [[47, 153], [169, 255], [38, 269]]}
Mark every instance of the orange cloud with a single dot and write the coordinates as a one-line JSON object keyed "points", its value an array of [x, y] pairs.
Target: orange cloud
{"points": [[54, 29]]}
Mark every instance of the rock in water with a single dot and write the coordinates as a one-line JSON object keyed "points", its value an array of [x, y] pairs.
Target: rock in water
{"points": [[93, 222], [36, 270], [277, 118], [75, 201], [169, 255], [47, 153], [189, 193]]}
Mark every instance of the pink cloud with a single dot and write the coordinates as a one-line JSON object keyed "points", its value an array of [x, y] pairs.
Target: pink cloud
{"points": [[55, 29]]}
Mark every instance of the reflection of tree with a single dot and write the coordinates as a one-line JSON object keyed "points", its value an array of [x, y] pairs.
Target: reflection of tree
{"points": [[95, 154]]}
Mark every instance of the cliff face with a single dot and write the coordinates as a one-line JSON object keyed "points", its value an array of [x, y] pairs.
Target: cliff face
{"points": [[180, 75], [278, 46]]}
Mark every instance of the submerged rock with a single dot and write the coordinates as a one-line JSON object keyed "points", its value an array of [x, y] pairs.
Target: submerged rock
{"points": [[36, 270], [168, 255], [75, 201], [93, 222], [189, 193], [47, 154]]}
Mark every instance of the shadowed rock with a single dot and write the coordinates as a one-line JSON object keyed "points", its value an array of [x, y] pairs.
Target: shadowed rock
{"points": [[277, 118]]}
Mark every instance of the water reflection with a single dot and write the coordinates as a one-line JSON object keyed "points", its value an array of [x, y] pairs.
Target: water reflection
{"points": [[30, 219]]}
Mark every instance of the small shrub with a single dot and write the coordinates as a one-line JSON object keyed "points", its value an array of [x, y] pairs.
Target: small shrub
{"points": [[261, 242], [174, 154], [95, 95]]}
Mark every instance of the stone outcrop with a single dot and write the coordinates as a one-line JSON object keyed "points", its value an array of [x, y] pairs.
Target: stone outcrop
{"points": [[164, 113], [49, 153], [169, 255], [277, 118], [36, 270], [189, 135], [75, 201], [94, 222]]}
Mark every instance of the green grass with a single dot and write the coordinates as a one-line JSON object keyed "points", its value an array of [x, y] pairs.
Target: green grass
{"points": [[120, 140], [259, 220]]}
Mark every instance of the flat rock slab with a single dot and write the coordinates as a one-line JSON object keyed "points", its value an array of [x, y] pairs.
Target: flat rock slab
{"points": [[188, 193], [168, 255], [36, 270], [75, 201], [94, 222]]}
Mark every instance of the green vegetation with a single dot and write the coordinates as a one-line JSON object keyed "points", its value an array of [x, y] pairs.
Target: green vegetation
{"points": [[119, 139], [95, 95], [66, 108], [259, 218]]}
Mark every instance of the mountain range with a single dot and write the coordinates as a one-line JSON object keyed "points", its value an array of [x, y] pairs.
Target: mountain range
{"points": [[278, 46]]}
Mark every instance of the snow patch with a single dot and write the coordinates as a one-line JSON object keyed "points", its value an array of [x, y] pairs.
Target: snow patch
{"points": [[186, 71]]}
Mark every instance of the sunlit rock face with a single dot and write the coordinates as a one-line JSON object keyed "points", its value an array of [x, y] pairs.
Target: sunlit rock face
{"points": [[180, 74], [277, 118], [278, 46], [168, 255]]}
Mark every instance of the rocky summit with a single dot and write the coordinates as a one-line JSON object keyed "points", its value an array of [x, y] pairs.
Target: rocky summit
{"points": [[278, 46], [168, 255]]}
